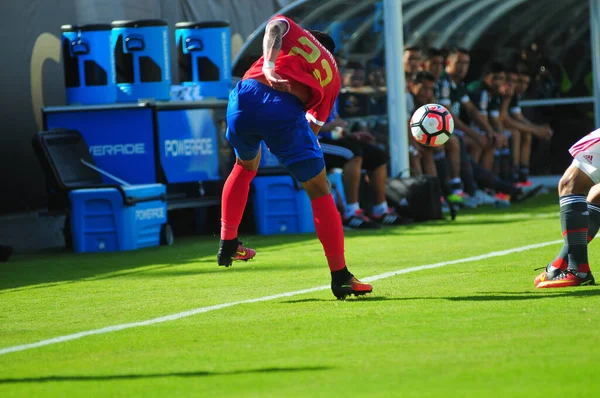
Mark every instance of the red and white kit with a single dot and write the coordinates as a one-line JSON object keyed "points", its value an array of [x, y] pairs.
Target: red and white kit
{"points": [[586, 155]]}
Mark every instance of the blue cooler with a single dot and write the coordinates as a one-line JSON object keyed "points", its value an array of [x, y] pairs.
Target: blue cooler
{"points": [[112, 219], [88, 64], [281, 206], [204, 51], [141, 51]]}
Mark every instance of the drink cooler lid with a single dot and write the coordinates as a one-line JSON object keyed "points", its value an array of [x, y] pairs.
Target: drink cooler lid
{"points": [[197, 25], [85, 28], [140, 23]]}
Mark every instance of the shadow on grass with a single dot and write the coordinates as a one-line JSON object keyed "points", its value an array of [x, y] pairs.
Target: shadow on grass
{"points": [[56, 267], [48, 379], [487, 296]]}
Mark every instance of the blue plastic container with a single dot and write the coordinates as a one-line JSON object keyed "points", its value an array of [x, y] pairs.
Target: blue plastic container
{"points": [[281, 206], [102, 222], [142, 62], [88, 64], [204, 52]]}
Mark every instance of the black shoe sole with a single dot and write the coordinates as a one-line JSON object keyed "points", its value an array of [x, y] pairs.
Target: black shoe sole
{"points": [[341, 295], [224, 261]]}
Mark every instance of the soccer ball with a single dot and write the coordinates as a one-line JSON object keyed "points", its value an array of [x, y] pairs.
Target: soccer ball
{"points": [[431, 125]]}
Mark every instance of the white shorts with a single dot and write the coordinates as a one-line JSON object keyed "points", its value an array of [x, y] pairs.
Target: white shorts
{"points": [[586, 155]]}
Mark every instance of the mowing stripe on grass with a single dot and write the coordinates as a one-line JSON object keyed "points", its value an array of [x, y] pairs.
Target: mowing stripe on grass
{"points": [[201, 310]]}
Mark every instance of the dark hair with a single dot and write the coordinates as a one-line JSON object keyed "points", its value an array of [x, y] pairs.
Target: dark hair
{"points": [[512, 69], [324, 39], [493, 67], [354, 65], [433, 52], [522, 68], [422, 76], [457, 50], [412, 48]]}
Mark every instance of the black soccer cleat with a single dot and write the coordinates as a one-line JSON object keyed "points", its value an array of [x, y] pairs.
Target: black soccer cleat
{"points": [[351, 287], [233, 250]]}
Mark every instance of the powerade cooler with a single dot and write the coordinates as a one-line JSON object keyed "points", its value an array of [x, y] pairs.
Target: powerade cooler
{"points": [[141, 51], [88, 64], [204, 50]]}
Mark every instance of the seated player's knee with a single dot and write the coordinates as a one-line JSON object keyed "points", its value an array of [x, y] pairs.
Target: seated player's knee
{"points": [[452, 145], [574, 181], [354, 163]]}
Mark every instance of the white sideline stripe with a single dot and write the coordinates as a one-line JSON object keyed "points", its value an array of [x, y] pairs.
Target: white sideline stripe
{"points": [[201, 310]]}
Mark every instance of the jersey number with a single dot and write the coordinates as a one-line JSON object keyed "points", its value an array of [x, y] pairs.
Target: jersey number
{"points": [[312, 57]]}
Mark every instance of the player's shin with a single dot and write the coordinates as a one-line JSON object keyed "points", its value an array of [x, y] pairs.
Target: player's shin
{"points": [[574, 217], [328, 225], [233, 203]]}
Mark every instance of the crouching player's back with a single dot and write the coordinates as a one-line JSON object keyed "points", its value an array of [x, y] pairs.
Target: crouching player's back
{"points": [[284, 99]]}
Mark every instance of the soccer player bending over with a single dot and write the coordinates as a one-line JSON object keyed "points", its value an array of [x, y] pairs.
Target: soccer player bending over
{"points": [[579, 217], [284, 99]]}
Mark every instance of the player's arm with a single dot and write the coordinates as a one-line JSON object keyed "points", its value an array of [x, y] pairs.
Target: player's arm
{"points": [[478, 118], [462, 126], [272, 42], [459, 124], [496, 121], [315, 128], [521, 123]]}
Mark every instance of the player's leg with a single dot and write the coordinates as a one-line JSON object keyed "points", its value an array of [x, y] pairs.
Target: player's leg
{"points": [[506, 156], [525, 152], [375, 163], [474, 148], [328, 225], [516, 137], [233, 203], [488, 155], [347, 154], [429, 168], [574, 217], [300, 153], [241, 133], [453, 154], [414, 158], [562, 260]]}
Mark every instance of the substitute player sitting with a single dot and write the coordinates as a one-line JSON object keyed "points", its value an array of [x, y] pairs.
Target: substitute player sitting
{"points": [[579, 217], [284, 99]]}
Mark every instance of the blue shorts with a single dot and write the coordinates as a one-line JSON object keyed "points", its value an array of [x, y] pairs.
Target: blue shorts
{"points": [[257, 112]]}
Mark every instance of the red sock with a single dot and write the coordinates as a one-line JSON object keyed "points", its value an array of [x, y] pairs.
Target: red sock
{"points": [[328, 224], [583, 268], [560, 263], [233, 202]]}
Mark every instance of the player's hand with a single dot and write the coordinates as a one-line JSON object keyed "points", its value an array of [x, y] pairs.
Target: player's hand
{"points": [[544, 133], [499, 140], [276, 81], [363, 136]]}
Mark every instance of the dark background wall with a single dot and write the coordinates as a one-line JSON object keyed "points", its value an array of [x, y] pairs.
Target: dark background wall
{"points": [[32, 74]]}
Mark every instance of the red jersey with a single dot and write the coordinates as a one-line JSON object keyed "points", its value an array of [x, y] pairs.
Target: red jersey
{"points": [[305, 60]]}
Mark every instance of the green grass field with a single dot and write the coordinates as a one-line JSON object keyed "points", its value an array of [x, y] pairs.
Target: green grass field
{"points": [[469, 329]]}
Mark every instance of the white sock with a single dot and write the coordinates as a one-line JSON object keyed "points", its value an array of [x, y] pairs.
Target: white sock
{"points": [[380, 209], [351, 209]]}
